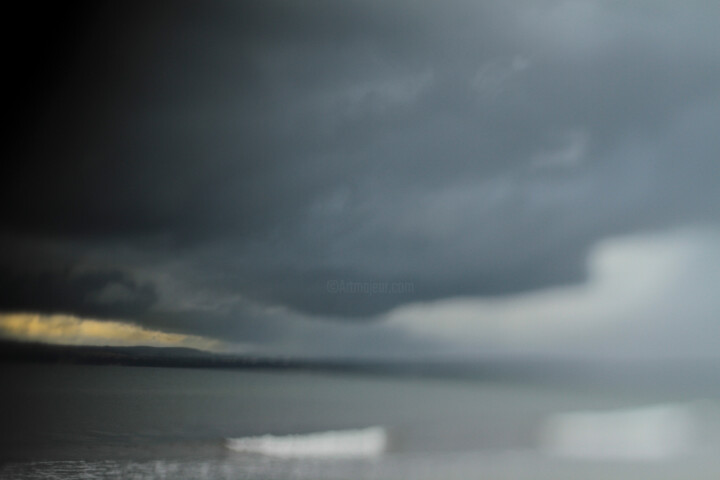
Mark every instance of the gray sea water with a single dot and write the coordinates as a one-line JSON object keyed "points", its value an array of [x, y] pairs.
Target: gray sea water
{"points": [[104, 422]]}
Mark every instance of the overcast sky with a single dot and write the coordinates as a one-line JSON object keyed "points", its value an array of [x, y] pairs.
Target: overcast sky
{"points": [[367, 178]]}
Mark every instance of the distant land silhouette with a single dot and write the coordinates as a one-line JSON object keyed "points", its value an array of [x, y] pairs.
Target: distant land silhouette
{"points": [[178, 357], [690, 374]]}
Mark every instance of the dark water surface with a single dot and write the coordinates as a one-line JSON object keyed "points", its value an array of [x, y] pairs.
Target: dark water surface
{"points": [[60, 421]]}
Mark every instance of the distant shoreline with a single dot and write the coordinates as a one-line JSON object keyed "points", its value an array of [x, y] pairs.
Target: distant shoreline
{"points": [[689, 374]]}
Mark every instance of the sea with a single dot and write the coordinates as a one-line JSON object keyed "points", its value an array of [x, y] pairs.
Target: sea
{"points": [[121, 422]]}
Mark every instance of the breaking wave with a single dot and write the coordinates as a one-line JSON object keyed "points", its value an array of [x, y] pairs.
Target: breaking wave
{"points": [[656, 432], [366, 442]]}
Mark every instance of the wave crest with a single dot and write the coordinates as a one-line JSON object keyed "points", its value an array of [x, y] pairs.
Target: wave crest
{"points": [[648, 433], [366, 442]]}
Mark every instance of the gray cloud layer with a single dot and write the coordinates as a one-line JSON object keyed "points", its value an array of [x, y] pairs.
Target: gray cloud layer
{"points": [[196, 166]]}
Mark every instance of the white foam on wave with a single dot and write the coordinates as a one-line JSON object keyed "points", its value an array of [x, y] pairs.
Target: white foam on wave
{"points": [[366, 442], [649, 433]]}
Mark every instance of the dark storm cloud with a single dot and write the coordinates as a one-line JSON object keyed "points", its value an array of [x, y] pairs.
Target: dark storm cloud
{"points": [[97, 294], [40, 278], [467, 148]]}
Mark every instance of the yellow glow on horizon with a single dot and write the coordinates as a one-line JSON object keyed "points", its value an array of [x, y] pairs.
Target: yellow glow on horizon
{"points": [[72, 330]]}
